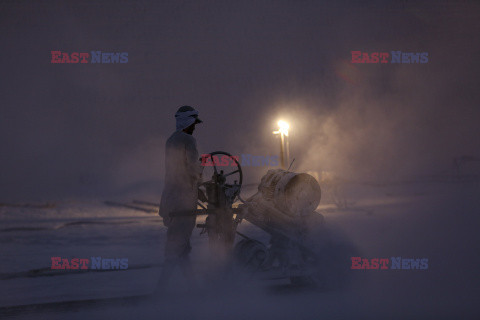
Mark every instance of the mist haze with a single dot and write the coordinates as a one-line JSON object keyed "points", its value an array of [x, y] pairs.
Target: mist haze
{"points": [[75, 135], [86, 129]]}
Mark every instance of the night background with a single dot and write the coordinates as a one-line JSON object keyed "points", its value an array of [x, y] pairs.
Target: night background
{"points": [[75, 135]]}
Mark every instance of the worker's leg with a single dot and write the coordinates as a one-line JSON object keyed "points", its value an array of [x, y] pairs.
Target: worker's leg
{"points": [[184, 259], [177, 249]]}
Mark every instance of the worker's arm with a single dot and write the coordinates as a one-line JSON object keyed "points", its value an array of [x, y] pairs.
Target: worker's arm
{"points": [[193, 165]]}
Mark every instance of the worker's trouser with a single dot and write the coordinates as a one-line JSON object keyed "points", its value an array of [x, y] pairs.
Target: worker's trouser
{"points": [[178, 237], [177, 248]]}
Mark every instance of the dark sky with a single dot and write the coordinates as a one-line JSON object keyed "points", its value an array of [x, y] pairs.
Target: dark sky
{"points": [[71, 130]]}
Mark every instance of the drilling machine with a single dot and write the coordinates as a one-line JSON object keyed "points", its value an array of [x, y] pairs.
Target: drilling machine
{"points": [[284, 208]]}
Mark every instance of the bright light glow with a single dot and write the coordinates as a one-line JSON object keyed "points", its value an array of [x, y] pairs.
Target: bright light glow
{"points": [[283, 125], [283, 128]]}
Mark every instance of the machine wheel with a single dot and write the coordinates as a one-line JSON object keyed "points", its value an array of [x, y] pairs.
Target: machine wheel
{"points": [[329, 268], [250, 254], [236, 168]]}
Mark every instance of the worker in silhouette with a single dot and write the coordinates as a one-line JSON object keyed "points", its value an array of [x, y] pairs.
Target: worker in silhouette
{"points": [[182, 175]]}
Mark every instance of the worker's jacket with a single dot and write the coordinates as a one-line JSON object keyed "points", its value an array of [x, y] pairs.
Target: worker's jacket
{"points": [[182, 175]]}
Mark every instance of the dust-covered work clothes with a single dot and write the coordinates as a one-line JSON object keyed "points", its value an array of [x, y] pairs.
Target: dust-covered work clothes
{"points": [[182, 175]]}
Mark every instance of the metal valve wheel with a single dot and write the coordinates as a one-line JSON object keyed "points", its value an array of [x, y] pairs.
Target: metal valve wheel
{"points": [[221, 192], [230, 176]]}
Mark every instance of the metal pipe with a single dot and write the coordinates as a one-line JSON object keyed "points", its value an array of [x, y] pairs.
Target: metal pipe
{"points": [[282, 159]]}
